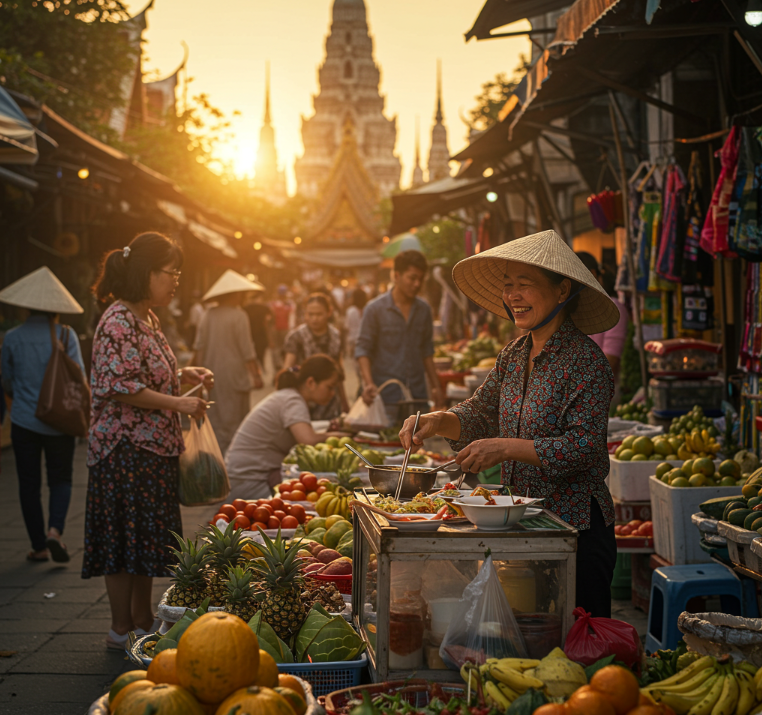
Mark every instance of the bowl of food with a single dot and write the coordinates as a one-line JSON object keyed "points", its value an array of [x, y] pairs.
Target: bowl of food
{"points": [[416, 480], [504, 512]]}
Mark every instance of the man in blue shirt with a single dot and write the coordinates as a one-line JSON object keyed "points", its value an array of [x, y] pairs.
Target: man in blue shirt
{"points": [[395, 338]]}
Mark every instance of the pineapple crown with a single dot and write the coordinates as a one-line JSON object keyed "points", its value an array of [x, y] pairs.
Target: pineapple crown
{"points": [[226, 547], [279, 565], [191, 561], [239, 584]]}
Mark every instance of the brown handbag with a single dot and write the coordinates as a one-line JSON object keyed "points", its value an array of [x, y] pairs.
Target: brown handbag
{"points": [[64, 401]]}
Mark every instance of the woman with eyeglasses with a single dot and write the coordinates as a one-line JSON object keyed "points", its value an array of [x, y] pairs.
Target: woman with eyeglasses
{"points": [[135, 436]]}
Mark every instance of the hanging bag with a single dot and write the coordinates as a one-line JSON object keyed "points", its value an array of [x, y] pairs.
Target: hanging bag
{"points": [[64, 401], [203, 477]]}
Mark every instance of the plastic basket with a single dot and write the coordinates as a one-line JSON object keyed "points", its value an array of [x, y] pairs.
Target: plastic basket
{"points": [[328, 677], [342, 583], [415, 692]]}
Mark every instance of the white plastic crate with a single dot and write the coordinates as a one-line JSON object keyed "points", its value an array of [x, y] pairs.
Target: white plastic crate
{"points": [[675, 536], [739, 542], [628, 481]]}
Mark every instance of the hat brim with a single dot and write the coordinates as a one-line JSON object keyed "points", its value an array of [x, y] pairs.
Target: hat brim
{"points": [[41, 290], [482, 278]]}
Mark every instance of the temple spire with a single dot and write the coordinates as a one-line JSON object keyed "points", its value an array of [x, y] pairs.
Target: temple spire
{"points": [[439, 116], [439, 154], [267, 93], [417, 170]]}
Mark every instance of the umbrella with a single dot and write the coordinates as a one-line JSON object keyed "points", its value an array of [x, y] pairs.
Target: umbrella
{"points": [[403, 242]]}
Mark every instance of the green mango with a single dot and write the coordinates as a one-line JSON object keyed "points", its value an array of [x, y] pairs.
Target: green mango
{"points": [[738, 516], [347, 548], [317, 535], [348, 538], [334, 534], [164, 644], [317, 523]]}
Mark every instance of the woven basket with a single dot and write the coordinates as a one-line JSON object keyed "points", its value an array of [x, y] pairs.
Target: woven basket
{"points": [[418, 693]]}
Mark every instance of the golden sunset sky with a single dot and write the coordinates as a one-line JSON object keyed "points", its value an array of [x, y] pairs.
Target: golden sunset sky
{"points": [[230, 41]]}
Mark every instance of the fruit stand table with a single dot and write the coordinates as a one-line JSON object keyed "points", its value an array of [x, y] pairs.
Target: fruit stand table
{"points": [[400, 578]]}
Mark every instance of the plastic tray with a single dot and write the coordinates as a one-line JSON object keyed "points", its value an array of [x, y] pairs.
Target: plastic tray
{"points": [[628, 481], [739, 546], [705, 524], [675, 536], [342, 583], [328, 677]]}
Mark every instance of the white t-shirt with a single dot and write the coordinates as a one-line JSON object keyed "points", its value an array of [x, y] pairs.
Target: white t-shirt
{"points": [[263, 439], [352, 320]]}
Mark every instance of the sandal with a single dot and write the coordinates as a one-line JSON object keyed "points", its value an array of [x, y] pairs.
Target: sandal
{"points": [[38, 555], [116, 642], [57, 549]]}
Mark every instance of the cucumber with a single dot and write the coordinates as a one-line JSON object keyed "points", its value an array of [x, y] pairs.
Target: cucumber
{"points": [[737, 516], [716, 507]]}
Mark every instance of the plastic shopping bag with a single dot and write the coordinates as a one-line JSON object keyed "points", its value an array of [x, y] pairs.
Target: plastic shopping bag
{"points": [[591, 639], [370, 417], [203, 477], [483, 626]]}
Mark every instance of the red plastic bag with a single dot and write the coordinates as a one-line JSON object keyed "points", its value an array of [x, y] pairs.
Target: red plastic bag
{"points": [[591, 639]]}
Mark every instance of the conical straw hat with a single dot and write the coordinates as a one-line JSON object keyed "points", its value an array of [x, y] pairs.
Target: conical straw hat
{"points": [[231, 282], [482, 278], [40, 290]]}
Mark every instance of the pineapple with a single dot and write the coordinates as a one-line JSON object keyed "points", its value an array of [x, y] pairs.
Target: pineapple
{"points": [[189, 574], [279, 570], [226, 552], [239, 599]]}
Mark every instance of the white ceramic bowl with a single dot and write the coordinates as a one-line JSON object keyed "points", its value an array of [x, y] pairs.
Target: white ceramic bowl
{"points": [[493, 517]]}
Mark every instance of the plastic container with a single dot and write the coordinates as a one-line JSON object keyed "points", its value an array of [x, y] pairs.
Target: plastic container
{"points": [[519, 585], [675, 537], [621, 584], [739, 541], [541, 632], [327, 677], [405, 634], [675, 394], [342, 583], [628, 481], [442, 611]]}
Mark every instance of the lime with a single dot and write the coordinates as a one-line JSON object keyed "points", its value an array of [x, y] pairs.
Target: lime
{"points": [[619, 450], [639, 458], [749, 490], [627, 416], [662, 469], [627, 441], [672, 458], [713, 431], [626, 455], [704, 465], [662, 446], [675, 474], [643, 445], [679, 482], [730, 482], [730, 468], [688, 466], [697, 480]]}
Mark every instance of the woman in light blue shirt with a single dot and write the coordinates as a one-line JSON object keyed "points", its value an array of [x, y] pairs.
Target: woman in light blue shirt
{"points": [[25, 355]]}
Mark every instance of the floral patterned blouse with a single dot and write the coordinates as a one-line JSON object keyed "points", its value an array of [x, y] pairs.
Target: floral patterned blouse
{"points": [[128, 356], [565, 411]]}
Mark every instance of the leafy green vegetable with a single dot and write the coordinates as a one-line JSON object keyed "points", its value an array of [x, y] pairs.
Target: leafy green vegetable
{"points": [[527, 703], [269, 641], [325, 639], [595, 667]]}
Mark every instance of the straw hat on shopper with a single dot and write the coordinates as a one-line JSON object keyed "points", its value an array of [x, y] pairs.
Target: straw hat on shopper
{"points": [[40, 290], [231, 282], [482, 278]]}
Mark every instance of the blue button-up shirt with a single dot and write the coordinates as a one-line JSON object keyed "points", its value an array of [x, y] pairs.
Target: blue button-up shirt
{"points": [[396, 347], [24, 359]]}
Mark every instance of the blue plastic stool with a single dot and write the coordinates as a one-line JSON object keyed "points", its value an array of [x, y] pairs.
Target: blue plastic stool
{"points": [[673, 586]]}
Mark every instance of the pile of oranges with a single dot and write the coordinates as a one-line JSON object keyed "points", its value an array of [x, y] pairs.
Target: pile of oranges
{"points": [[613, 690]]}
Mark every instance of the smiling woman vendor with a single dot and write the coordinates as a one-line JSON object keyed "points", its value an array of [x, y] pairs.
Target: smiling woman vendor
{"points": [[543, 410]]}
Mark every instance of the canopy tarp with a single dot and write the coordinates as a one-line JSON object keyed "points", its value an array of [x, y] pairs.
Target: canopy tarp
{"points": [[497, 13], [18, 144]]}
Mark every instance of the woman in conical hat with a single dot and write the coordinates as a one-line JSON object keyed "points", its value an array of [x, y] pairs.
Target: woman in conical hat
{"points": [[25, 356], [542, 412], [224, 344]]}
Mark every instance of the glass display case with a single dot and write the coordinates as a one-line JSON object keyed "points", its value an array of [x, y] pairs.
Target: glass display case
{"points": [[407, 586], [683, 357]]}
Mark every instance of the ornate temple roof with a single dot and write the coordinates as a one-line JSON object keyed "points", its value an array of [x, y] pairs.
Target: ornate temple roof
{"points": [[349, 11]]}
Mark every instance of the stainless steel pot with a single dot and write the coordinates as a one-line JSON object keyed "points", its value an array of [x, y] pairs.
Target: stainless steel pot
{"points": [[384, 480]]}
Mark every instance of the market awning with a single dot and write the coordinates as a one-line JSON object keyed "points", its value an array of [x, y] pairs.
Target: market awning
{"points": [[336, 257], [497, 13], [18, 144]]}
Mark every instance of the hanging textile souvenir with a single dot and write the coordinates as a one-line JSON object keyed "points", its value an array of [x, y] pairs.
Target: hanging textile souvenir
{"points": [[697, 308], [744, 226], [714, 235], [697, 266], [650, 213], [485, 230], [606, 210], [469, 242], [669, 261]]}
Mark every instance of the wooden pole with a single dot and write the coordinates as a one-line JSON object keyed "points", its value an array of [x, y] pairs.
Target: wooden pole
{"points": [[628, 247]]}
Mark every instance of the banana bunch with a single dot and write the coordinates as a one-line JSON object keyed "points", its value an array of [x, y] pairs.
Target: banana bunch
{"points": [[333, 502], [709, 687], [501, 680], [700, 443], [325, 459]]}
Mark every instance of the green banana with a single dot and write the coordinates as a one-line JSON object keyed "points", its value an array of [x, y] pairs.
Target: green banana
{"points": [[726, 705], [705, 705], [494, 694], [750, 668], [746, 695]]}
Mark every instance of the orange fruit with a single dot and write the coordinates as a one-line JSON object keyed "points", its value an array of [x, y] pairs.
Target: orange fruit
{"points": [[587, 701], [289, 681], [551, 709], [163, 668], [267, 675], [619, 686], [127, 689], [645, 710], [645, 700]]}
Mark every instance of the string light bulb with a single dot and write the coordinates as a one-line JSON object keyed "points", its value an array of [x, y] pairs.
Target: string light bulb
{"points": [[297, 240], [238, 234], [491, 197], [257, 246], [83, 173]]}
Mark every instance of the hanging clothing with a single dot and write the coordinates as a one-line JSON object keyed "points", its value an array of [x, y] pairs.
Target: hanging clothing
{"points": [[714, 235], [744, 220], [669, 261]]}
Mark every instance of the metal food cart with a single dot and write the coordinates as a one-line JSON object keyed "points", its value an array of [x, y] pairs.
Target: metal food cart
{"points": [[399, 577]]}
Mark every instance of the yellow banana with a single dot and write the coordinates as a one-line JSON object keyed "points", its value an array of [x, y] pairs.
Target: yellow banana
{"points": [[705, 436], [681, 676], [508, 692], [467, 673], [494, 694], [705, 705], [726, 705], [679, 703], [490, 661], [514, 679], [746, 692], [518, 663], [757, 710], [748, 667], [687, 686]]}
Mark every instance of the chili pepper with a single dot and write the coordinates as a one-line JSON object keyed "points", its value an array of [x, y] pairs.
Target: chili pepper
{"points": [[441, 513]]}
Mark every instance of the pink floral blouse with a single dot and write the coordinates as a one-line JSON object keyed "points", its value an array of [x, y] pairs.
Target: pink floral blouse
{"points": [[128, 356]]}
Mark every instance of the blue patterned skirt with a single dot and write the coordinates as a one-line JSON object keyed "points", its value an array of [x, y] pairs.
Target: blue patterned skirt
{"points": [[132, 505]]}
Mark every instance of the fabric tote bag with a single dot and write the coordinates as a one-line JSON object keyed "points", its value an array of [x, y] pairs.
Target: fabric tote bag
{"points": [[64, 401]]}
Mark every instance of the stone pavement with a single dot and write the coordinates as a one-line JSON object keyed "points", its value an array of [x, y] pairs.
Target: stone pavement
{"points": [[60, 663]]}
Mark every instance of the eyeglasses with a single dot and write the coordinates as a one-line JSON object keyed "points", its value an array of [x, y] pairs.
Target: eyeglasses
{"points": [[175, 274]]}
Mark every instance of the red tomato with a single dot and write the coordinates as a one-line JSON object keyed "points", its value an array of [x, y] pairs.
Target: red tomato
{"points": [[249, 510], [305, 474], [284, 490], [217, 517], [276, 503], [258, 524], [320, 489], [269, 507], [289, 522], [646, 529], [324, 482], [262, 515], [635, 523], [618, 529], [228, 510], [241, 522], [240, 513], [310, 482], [280, 514], [626, 530], [298, 512], [273, 522], [240, 504], [298, 496]]}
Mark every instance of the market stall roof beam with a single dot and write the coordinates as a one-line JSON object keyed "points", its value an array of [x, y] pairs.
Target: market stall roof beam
{"points": [[497, 13]]}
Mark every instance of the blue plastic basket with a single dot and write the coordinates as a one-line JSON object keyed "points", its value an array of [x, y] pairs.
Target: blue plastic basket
{"points": [[327, 677]]}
